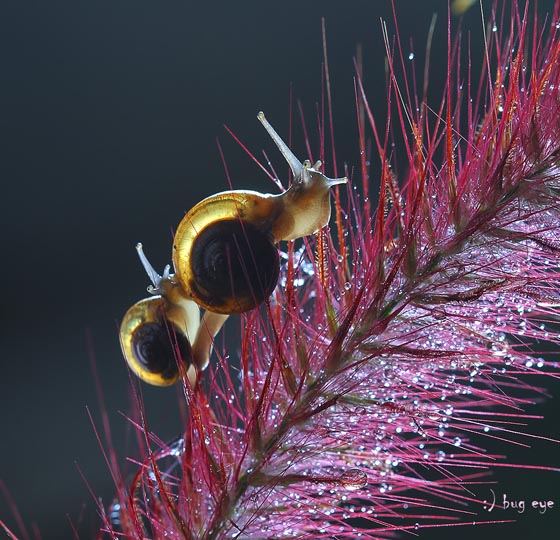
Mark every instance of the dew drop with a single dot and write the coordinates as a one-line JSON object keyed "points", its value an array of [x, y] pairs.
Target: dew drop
{"points": [[434, 415], [353, 479], [115, 514], [411, 56]]}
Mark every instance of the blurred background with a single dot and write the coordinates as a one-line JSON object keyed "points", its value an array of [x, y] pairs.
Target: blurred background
{"points": [[110, 111]]}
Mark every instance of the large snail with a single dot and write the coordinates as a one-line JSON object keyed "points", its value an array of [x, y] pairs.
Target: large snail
{"points": [[226, 261]]}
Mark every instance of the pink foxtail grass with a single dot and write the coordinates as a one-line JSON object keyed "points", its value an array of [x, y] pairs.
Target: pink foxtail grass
{"points": [[396, 343]]}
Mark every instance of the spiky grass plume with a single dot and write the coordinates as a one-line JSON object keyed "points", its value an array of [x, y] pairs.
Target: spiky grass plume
{"points": [[364, 389]]}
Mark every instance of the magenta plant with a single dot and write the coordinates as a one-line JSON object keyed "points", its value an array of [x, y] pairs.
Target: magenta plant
{"points": [[396, 341]]}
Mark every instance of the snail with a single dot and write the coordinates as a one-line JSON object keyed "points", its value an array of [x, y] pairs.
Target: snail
{"points": [[226, 261]]}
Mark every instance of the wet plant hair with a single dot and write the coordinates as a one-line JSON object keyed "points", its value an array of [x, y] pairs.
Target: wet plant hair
{"points": [[395, 342]]}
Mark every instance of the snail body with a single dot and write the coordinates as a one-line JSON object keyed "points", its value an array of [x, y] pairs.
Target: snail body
{"points": [[226, 261]]}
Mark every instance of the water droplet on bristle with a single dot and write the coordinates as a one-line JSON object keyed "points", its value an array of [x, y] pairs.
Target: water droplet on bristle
{"points": [[353, 479]]}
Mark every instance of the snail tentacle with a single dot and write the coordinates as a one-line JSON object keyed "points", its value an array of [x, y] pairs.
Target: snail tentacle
{"points": [[294, 163]]}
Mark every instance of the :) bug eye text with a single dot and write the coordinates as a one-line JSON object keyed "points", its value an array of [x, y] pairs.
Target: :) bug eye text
{"points": [[517, 504]]}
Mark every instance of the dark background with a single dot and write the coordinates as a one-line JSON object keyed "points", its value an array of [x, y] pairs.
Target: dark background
{"points": [[109, 116]]}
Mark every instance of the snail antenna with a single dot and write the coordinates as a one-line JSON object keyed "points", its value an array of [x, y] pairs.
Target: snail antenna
{"points": [[294, 163], [155, 278]]}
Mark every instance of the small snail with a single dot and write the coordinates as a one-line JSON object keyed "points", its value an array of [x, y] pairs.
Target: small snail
{"points": [[158, 330], [226, 261]]}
